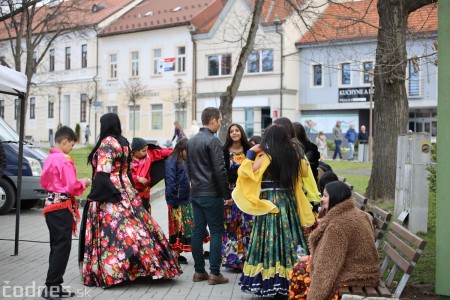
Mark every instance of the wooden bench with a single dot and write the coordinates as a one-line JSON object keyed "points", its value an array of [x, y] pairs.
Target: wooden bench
{"points": [[360, 201], [402, 250], [381, 219]]}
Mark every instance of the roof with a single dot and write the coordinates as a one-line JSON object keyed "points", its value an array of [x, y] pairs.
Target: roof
{"points": [[279, 8], [151, 15], [69, 14], [359, 20]]}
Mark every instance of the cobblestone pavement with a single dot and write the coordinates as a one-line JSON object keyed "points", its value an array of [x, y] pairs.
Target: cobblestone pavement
{"points": [[23, 276]]}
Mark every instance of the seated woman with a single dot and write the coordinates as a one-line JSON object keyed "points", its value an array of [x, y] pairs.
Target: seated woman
{"points": [[342, 247]]}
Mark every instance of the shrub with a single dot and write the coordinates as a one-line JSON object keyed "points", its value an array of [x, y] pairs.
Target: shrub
{"points": [[432, 169], [78, 131]]}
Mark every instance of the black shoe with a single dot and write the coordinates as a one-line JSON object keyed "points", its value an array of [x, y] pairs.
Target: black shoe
{"points": [[65, 293], [51, 293], [206, 255], [182, 260]]}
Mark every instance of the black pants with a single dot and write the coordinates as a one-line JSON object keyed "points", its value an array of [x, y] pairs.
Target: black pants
{"points": [[59, 223]]}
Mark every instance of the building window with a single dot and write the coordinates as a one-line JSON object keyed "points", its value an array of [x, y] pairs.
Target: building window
{"points": [[260, 61], [157, 62], [51, 107], [2, 108], [181, 59], [134, 117], [317, 75], [51, 60], [157, 116], [345, 74], [83, 107], [84, 56], [16, 108], [112, 109], [249, 121], [113, 66], [413, 77], [32, 108], [367, 68], [134, 64], [219, 65], [67, 58]]}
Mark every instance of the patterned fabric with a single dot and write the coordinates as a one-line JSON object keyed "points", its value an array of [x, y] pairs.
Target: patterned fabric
{"points": [[300, 281], [272, 248], [237, 225], [180, 227], [122, 241]]}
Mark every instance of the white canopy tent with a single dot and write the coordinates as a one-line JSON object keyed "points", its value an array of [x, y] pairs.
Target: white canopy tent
{"points": [[15, 83]]}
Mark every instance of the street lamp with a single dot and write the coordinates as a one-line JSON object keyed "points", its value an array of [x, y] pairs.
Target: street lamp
{"points": [[277, 22], [371, 75], [179, 82]]}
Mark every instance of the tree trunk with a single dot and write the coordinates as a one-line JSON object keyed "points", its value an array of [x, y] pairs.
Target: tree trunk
{"points": [[390, 98], [227, 97]]}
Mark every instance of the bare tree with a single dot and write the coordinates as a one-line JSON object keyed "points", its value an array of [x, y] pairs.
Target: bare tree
{"points": [[135, 91], [227, 97], [33, 25], [391, 105]]}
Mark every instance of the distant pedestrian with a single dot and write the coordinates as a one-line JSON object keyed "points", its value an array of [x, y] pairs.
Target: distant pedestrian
{"points": [[351, 135], [178, 133], [337, 135], [87, 134], [59, 178], [321, 142], [209, 193], [362, 135]]}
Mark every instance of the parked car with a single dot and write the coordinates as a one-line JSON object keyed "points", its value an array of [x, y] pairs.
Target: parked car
{"points": [[33, 161]]}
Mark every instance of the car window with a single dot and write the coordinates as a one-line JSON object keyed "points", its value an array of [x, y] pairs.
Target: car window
{"points": [[7, 133]]}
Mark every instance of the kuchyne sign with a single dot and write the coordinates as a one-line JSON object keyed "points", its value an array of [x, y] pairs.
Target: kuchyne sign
{"points": [[359, 94]]}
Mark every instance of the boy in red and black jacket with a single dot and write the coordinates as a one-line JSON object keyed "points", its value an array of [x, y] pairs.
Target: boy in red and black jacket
{"points": [[143, 158]]}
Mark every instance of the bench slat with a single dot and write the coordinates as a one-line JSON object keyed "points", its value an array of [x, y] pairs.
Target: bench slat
{"points": [[356, 290], [383, 290], [344, 290], [408, 235], [402, 247], [371, 291], [402, 263]]}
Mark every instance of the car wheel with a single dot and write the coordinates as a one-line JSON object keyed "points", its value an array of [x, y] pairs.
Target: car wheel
{"points": [[7, 196], [27, 204]]}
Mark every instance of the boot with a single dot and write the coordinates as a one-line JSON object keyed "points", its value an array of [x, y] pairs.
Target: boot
{"points": [[51, 293]]}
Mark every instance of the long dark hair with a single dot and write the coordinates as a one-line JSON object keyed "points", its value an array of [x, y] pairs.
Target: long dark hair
{"points": [[244, 141], [287, 125], [300, 132], [337, 192], [110, 126], [177, 152], [285, 163]]}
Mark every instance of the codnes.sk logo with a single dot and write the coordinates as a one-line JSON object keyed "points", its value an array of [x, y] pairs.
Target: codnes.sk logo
{"points": [[34, 291]]}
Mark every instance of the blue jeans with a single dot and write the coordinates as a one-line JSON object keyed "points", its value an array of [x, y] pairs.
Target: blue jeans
{"points": [[337, 149], [207, 211], [352, 150]]}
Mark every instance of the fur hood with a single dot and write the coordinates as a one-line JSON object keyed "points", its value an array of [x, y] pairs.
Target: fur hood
{"points": [[343, 251]]}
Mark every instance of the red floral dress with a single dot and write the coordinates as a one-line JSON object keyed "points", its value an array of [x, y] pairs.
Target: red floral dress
{"points": [[122, 241]]}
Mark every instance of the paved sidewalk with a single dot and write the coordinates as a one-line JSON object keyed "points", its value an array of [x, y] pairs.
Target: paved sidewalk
{"points": [[22, 276]]}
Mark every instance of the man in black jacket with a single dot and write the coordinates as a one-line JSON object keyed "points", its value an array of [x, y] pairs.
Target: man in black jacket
{"points": [[209, 190]]}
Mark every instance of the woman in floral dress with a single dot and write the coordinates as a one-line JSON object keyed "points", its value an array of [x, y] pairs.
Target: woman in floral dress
{"points": [[237, 225], [269, 186], [119, 240]]}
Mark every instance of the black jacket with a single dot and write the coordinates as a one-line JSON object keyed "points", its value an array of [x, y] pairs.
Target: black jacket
{"points": [[177, 182], [206, 166]]}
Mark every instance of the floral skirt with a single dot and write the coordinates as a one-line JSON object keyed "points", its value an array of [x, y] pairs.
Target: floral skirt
{"points": [[300, 281], [180, 227], [122, 242], [236, 237], [272, 248]]}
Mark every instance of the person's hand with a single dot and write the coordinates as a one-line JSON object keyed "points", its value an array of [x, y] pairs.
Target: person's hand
{"points": [[142, 180], [229, 201], [87, 182], [256, 148]]}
